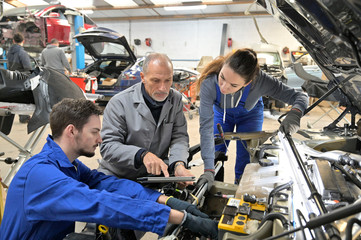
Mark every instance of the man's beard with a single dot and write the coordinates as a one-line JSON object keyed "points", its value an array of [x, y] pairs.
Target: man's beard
{"points": [[82, 152], [154, 96]]}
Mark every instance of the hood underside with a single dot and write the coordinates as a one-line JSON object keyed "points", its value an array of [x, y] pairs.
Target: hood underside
{"points": [[103, 43], [331, 33]]}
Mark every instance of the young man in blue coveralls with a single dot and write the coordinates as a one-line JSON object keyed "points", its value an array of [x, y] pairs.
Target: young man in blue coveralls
{"points": [[53, 189]]}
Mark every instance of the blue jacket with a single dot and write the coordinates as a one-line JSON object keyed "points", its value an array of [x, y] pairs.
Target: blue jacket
{"points": [[49, 193]]}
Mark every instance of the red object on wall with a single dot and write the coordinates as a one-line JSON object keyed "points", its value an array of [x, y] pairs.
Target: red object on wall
{"points": [[286, 50], [148, 42], [229, 43]]}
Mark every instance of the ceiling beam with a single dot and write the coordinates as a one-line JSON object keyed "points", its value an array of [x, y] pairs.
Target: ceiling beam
{"points": [[188, 16], [15, 3], [102, 8]]}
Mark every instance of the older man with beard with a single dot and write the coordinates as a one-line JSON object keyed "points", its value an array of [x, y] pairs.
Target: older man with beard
{"points": [[144, 126]]}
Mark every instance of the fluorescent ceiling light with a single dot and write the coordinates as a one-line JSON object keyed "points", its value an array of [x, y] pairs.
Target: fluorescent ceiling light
{"points": [[212, 1], [165, 2], [77, 3], [87, 11], [33, 3], [122, 3], [184, 8]]}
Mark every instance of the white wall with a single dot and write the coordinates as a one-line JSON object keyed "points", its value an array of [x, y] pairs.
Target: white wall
{"points": [[186, 41]]}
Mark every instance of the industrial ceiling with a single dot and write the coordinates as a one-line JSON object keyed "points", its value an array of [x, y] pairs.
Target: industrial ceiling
{"points": [[127, 10]]}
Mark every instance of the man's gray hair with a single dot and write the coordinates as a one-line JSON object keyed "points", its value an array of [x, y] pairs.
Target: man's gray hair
{"points": [[161, 57]]}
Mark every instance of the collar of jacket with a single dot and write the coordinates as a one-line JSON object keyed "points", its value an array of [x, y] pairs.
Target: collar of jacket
{"points": [[51, 46], [143, 109], [57, 154]]}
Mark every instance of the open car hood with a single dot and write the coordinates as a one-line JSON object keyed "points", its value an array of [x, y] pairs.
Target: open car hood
{"points": [[330, 32], [102, 43]]}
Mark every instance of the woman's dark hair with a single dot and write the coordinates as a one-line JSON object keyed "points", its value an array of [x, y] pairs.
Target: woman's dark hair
{"points": [[71, 111], [243, 61]]}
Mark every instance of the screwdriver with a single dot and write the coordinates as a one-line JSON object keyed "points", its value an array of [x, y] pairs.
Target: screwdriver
{"points": [[221, 133]]}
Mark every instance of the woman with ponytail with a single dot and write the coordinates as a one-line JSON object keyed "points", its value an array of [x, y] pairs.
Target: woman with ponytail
{"points": [[230, 90]]}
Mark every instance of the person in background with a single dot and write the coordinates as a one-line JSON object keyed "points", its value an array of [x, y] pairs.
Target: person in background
{"points": [[54, 57], [231, 90], [19, 59], [144, 125], [53, 189]]}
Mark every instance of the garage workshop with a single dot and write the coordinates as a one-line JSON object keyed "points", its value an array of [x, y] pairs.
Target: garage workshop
{"points": [[180, 120]]}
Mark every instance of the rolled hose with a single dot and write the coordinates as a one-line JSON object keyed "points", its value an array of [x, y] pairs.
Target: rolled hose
{"points": [[278, 189], [273, 216]]}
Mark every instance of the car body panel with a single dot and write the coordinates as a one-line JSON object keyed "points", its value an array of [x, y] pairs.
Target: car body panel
{"points": [[132, 75], [329, 31], [296, 82]]}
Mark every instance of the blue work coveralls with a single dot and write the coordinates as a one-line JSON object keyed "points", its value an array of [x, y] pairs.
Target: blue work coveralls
{"points": [[243, 120], [49, 193]]}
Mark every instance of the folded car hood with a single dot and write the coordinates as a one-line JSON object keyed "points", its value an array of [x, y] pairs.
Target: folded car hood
{"points": [[330, 31], [103, 36], [44, 88]]}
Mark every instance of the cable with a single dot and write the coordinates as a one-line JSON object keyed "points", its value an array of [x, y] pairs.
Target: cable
{"points": [[301, 217], [273, 216], [349, 226]]}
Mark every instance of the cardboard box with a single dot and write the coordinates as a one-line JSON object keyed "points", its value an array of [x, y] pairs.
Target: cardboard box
{"points": [[109, 81]]}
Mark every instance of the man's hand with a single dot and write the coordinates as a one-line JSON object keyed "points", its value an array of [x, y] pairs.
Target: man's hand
{"points": [[180, 205], [206, 177], [205, 226], [155, 165], [181, 171], [291, 123]]}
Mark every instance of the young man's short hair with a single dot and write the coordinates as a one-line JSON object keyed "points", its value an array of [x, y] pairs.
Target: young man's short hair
{"points": [[18, 38], [71, 111]]}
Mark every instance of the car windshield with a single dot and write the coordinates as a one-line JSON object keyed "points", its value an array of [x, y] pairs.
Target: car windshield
{"points": [[269, 58], [109, 48]]}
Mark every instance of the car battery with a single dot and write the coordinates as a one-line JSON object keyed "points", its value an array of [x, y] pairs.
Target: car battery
{"points": [[240, 216]]}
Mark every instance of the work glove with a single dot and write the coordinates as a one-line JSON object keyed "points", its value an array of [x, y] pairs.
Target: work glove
{"points": [[206, 177], [180, 205], [291, 123], [205, 226]]}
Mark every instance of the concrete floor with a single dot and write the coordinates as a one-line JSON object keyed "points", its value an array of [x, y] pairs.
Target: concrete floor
{"points": [[19, 135]]}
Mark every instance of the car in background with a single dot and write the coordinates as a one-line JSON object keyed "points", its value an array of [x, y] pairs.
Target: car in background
{"points": [[270, 61], [39, 24], [131, 76], [113, 60], [116, 68], [292, 74]]}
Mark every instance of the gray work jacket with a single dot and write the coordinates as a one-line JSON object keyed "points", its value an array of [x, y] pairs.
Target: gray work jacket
{"points": [[128, 125]]}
